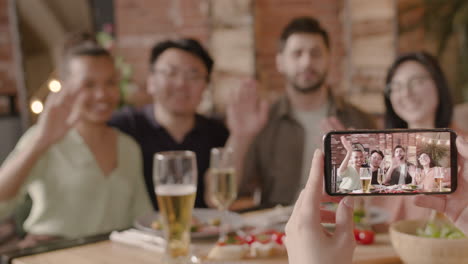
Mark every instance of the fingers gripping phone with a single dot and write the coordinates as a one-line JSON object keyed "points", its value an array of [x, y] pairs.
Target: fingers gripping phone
{"points": [[390, 162]]}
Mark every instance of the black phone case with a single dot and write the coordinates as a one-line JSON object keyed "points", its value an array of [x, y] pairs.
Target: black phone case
{"points": [[328, 159]]}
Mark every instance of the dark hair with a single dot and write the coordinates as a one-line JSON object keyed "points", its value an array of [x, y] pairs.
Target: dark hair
{"points": [[303, 25], [445, 106], [397, 147], [186, 44], [378, 152], [80, 44], [431, 161]]}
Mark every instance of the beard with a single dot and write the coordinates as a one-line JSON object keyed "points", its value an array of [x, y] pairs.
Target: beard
{"points": [[315, 86]]}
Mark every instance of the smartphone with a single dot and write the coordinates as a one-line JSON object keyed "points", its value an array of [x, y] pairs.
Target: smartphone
{"points": [[390, 162]]}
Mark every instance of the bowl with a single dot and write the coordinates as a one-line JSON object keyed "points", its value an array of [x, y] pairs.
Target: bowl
{"points": [[414, 249]]}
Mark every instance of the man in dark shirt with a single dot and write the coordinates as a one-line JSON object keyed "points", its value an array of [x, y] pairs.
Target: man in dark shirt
{"points": [[179, 73], [376, 158]]}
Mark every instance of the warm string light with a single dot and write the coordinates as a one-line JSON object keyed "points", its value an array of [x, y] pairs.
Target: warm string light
{"points": [[36, 106], [55, 86], [432, 141]]}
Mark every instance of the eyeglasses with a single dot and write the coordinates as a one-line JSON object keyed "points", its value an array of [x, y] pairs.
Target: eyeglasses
{"points": [[172, 73], [415, 84]]}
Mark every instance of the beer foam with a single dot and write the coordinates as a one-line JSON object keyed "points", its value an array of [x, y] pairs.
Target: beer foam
{"points": [[175, 189]]}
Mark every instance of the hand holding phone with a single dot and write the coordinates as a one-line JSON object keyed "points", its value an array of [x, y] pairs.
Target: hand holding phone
{"points": [[418, 160]]}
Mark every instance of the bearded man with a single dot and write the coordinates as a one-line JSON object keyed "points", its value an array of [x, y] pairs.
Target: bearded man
{"points": [[278, 160]]}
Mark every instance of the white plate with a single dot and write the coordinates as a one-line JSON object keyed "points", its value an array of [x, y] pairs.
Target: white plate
{"points": [[234, 220]]}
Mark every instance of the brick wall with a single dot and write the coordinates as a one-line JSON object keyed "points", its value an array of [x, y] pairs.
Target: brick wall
{"points": [[7, 74], [271, 16], [140, 24]]}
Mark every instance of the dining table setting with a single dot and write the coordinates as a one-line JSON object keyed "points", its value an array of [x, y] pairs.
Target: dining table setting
{"points": [[145, 242]]}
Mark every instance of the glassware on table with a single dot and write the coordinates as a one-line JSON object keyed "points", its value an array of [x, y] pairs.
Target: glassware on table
{"points": [[418, 176], [380, 177], [439, 177], [223, 184], [175, 181], [366, 177]]}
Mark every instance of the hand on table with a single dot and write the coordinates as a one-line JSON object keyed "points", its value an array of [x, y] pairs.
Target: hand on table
{"points": [[455, 205], [306, 239]]}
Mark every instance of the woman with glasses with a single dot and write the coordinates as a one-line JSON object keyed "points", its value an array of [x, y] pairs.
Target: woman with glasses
{"points": [[417, 95], [430, 173]]}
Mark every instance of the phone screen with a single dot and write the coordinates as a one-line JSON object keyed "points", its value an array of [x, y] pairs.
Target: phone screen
{"points": [[390, 162]]}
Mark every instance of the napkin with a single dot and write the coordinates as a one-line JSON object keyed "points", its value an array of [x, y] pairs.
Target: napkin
{"points": [[268, 218], [137, 238]]}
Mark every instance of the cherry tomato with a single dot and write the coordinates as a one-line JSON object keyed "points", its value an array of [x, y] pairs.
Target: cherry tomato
{"points": [[278, 238], [364, 237], [356, 234], [250, 239]]}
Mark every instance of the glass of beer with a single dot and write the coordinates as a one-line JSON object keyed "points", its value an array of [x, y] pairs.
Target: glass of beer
{"points": [[439, 177], [366, 177], [223, 184], [175, 181]]}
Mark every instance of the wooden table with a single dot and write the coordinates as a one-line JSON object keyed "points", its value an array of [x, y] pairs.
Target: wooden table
{"points": [[106, 252], [381, 252]]}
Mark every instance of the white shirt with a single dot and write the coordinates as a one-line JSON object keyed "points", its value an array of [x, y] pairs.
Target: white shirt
{"points": [[310, 121], [401, 180], [71, 195], [351, 179]]}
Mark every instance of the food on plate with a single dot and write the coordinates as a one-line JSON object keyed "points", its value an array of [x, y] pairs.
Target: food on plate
{"points": [[359, 214], [409, 187], [233, 248], [268, 243], [210, 226]]}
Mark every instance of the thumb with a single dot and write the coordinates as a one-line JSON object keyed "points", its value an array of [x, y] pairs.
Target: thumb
{"points": [[344, 220]]}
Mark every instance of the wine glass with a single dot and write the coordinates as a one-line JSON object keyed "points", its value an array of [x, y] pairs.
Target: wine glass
{"points": [[418, 176], [380, 176], [175, 181], [223, 184], [366, 177]]}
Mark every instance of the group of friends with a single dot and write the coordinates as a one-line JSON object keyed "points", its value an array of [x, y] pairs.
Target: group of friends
{"points": [[84, 158], [399, 171]]}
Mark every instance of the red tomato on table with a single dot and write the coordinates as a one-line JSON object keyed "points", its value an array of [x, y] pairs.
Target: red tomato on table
{"points": [[364, 237]]}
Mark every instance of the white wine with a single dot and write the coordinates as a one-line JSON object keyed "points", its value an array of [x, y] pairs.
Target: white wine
{"points": [[224, 187], [380, 176], [365, 183], [175, 207]]}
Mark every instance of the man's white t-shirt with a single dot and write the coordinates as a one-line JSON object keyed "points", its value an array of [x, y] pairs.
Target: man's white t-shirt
{"points": [[310, 121], [401, 180]]}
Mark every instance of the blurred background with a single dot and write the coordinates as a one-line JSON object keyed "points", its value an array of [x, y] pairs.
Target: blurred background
{"points": [[366, 36]]}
